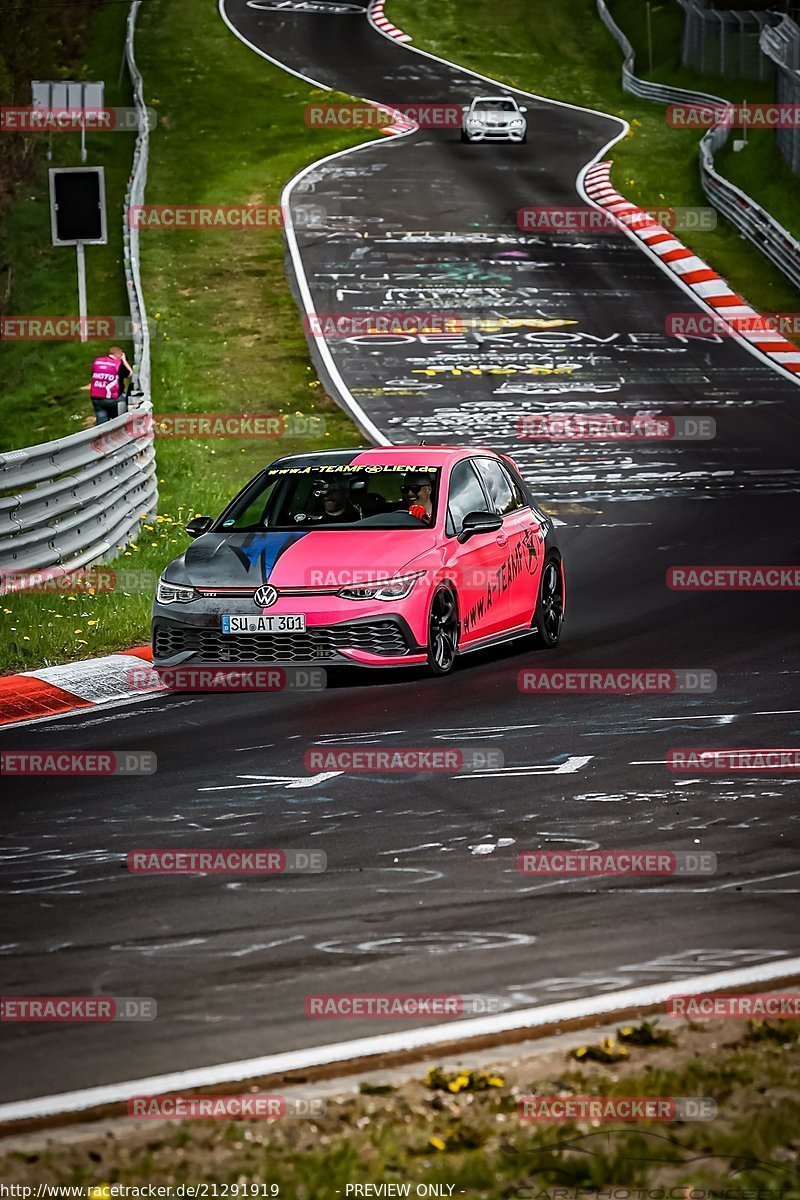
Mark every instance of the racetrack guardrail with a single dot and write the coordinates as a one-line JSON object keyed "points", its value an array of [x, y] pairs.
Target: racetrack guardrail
{"points": [[753, 221]]}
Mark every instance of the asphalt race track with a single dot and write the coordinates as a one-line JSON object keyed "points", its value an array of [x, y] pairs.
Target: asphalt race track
{"points": [[422, 891]]}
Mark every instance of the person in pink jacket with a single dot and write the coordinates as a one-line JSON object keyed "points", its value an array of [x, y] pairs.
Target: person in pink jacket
{"points": [[108, 388]]}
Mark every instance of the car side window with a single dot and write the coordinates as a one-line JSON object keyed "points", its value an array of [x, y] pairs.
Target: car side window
{"points": [[503, 497], [466, 496], [519, 495]]}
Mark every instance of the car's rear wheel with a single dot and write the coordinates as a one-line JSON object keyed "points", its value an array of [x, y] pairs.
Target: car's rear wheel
{"points": [[443, 632], [549, 615]]}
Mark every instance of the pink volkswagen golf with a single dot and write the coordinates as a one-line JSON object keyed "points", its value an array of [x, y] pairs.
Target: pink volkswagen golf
{"points": [[387, 557]]}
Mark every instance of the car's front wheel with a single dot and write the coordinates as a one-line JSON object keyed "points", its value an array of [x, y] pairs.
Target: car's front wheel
{"points": [[549, 615], [443, 632], [464, 136]]}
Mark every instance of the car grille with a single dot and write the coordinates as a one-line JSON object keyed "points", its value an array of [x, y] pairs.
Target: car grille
{"points": [[319, 642]]}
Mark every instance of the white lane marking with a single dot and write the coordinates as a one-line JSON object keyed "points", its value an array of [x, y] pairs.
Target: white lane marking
{"points": [[482, 728], [507, 87], [574, 763], [289, 781], [411, 849], [357, 412], [298, 937], [407, 1039], [327, 739], [274, 61], [727, 717], [775, 712], [720, 887], [692, 716]]}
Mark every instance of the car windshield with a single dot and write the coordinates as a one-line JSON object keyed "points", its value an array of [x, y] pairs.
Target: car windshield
{"points": [[336, 496], [495, 105]]}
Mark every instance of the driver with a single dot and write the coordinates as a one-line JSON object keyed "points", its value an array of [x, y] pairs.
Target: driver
{"points": [[337, 506], [417, 491]]}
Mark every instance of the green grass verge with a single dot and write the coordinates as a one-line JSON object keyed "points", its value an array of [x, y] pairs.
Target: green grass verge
{"points": [[227, 334], [758, 169], [462, 1131], [564, 51]]}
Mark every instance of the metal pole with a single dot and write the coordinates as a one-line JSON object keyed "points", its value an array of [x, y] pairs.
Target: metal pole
{"points": [[83, 140], [82, 290]]}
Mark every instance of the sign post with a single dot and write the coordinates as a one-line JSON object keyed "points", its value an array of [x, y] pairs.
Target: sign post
{"points": [[68, 94], [78, 218]]}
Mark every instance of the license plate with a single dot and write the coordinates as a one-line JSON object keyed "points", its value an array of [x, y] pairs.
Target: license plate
{"points": [[277, 623]]}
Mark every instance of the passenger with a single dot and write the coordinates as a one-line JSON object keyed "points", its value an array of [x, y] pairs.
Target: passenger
{"points": [[417, 492]]}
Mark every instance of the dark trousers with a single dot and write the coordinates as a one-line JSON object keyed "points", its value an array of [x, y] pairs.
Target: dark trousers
{"points": [[107, 410]]}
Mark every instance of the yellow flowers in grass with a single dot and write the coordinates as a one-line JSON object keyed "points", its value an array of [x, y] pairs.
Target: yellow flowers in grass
{"points": [[605, 1051], [461, 1081]]}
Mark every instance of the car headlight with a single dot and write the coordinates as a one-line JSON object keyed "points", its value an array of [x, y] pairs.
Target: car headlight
{"points": [[384, 589], [173, 593], [474, 120], [516, 123]]}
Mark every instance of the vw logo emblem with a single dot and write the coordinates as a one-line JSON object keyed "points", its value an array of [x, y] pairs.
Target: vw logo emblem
{"points": [[265, 597]]}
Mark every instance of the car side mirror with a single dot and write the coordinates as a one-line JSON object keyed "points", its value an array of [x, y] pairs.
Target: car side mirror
{"points": [[465, 108], [479, 522], [522, 109], [198, 526]]}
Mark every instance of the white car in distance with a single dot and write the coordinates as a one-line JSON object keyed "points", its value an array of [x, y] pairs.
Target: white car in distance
{"points": [[494, 119]]}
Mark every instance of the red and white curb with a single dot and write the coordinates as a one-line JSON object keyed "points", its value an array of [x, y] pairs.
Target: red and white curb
{"points": [[52, 691], [400, 122], [376, 17], [692, 271]]}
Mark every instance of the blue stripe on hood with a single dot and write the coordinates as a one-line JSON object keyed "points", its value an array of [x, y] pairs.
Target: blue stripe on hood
{"points": [[265, 548]]}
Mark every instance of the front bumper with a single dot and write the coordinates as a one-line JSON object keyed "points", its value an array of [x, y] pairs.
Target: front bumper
{"points": [[196, 640], [495, 133]]}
